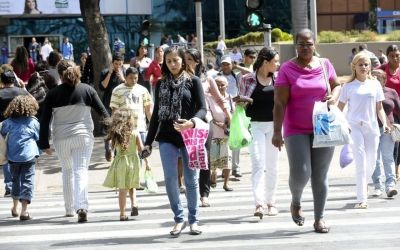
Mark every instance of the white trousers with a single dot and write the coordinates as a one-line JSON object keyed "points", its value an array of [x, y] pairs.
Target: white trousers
{"points": [[264, 163], [365, 146], [74, 154]]}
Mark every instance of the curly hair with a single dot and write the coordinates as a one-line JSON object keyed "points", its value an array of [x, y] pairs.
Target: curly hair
{"points": [[22, 105], [121, 125], [69, 72]]}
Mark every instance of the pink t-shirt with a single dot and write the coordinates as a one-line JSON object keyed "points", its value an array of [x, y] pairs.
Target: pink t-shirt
{"points": [[306, 86]]}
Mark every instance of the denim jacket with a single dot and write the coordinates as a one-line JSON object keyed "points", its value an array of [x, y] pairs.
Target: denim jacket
{"points": [[23, 132]]}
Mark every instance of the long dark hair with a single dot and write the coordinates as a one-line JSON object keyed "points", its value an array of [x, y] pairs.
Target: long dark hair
{"points": [[20, 62], [266, 53], [391, 48], [181, 53], [196, 55]]}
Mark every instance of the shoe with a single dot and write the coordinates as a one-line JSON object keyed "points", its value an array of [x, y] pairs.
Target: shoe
{"points": [[259, 212], [228, 189], [296, 215], [25, 217], [236, 173], [177, 231], [82, 215], [182, 189], [272, 210], [213, 184], [194, 229], [7, 194], [320, 227], [362, 205], [135, 211], [391, 192], [69, 215], [123, 218], [140, 188], [14, 214], [377, 192], [204, 202]]}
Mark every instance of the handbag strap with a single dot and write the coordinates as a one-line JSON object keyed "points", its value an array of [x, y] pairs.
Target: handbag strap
{"points": [[328, 86]]}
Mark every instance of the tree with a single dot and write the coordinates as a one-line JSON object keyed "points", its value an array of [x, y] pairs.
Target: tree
{"points": [[373, 4], [299, 10], [98, 42]]}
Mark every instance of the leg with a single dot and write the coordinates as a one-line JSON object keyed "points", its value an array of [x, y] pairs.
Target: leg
{"points": [[271, 155], [122, 203], [27, 182], [16, 171], [235, 163], [204, 180], [377, 174], [180, 175], [134, 206], [257, 154], [169, 160], [7, 179], [387, 146]]}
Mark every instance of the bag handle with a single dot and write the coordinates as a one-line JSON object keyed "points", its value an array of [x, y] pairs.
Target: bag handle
{"points": [[328, 86]]}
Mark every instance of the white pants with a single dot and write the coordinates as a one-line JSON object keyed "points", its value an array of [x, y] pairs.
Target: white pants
{"points": [[264, 156], [365, 146], [74, 154]]}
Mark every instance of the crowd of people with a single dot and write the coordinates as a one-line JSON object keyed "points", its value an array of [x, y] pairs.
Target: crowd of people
{"points": [[159, 99]]}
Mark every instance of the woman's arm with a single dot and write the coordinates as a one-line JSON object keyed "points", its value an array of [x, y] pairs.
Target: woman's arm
{"points": [[335, 87], [153, 125], [219, 99], [281, 99], [382, 117]]}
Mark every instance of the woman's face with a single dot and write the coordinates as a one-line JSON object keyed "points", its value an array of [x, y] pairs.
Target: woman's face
{"points": [[394, 57], [31, 4], [174, 63], [271, 66], [143, 51], [363, 67], [190, 61], [222, 85], [83, 59], [305, 47], [160, 53]]}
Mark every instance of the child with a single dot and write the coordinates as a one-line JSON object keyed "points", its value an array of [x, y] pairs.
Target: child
{"points": [[364, 95], [219, 151], [124, 170], [22, 131]]}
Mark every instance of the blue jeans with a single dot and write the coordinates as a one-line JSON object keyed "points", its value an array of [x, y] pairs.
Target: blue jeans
{"points": [[7, 177], [385, 158], [169, 158], [23, 176]]}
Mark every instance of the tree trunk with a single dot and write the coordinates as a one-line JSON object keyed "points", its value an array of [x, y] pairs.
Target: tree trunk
{"points": [[299, 10], [98, 44]]}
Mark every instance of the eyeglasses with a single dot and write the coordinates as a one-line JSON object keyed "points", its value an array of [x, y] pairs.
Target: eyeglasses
{"points": [[305, 45]]}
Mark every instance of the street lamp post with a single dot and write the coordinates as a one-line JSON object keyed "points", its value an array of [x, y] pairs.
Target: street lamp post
{"points": [[267, 35], [199, 27], [313, 16], [222, 19]]}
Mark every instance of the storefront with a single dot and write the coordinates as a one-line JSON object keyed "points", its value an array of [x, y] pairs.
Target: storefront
{"points": [[388, 20]]}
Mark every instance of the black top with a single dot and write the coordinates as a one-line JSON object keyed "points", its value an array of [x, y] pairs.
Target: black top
{"points": [[7, 95], [114, 82], [193, 105], [263, 103]]}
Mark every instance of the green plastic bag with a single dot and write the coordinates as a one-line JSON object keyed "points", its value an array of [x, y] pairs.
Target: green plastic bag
{"points": [[239, 133], [150, 184]]}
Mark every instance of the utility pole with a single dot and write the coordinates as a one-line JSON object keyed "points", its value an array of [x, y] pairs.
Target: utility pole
{"points": [[267, 35], [313, 17], [199, 27], [222, 19]]}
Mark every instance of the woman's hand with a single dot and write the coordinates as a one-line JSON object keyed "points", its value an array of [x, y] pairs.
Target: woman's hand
{"points": [[329, 99], [146, 152], [183, 124], [277, 140], [386, 129]]}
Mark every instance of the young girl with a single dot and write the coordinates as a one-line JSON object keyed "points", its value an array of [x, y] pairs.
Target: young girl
{"points": [[364, 96], [22, 131], [219, 152], [124, 170]]}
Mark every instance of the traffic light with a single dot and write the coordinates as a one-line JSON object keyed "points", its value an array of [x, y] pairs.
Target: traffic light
{"points": [[254, 17], [145, 33]]}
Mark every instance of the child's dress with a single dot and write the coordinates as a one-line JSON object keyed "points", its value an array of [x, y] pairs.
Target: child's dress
{"points": [[124, 170]]}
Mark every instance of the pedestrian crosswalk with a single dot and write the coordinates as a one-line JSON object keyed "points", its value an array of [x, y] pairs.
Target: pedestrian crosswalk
{"points": [[228, 223]]}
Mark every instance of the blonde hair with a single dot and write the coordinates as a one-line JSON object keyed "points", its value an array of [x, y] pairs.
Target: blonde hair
{"points": [[121, 125], [358, 57]]}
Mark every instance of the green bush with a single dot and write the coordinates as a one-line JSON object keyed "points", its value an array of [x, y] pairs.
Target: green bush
{"points": [[332, 37], [276, 34], [286, 37], [367, 36], [393, 36]]}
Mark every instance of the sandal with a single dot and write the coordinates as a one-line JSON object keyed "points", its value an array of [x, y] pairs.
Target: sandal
{"points": [[178, 227], [213, 184], [362, 205], [204, 202], [259, 212], [14, 214], [25, 217], [296, 215], [135, 211], [272, 210], [320, 227], [123, 218]]}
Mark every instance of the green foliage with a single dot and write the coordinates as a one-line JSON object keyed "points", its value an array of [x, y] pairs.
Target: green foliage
{"points": [[367, 36], [332, 37], [286, 37], [393, 36], [276, 34]]}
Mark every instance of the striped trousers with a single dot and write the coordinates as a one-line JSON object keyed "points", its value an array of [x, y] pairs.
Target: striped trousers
{"points": [[74, 155]]}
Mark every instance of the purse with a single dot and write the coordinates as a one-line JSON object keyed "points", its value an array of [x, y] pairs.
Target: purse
{"points": [[395, 134], [3, 148]]}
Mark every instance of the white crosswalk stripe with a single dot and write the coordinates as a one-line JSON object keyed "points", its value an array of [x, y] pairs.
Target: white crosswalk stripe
{"points": [[228, 223]]}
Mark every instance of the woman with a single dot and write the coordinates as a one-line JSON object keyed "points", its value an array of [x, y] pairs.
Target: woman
{"points": [[392, 70], [259, 86], [68, 106], [31, 7], [22, 64], [153, 73], [364, 95], [299, 85], [195, 65], [53, 59], [180, 98], [386, 144], [141, 62]]}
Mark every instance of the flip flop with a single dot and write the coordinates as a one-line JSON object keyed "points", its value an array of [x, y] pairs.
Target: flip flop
{"points": [[25, 217]]}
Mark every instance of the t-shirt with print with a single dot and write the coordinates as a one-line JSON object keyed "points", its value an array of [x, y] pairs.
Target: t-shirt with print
{"points": [[135, 98], [361, 99], [306, 86]]}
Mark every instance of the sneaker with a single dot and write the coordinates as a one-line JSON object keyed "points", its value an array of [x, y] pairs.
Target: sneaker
{"points": [[362, 205], [7, 194], [82, 215], [391, 192], [377, 192]]}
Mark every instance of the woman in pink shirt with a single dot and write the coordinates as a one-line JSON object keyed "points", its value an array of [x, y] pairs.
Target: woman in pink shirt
{"points": [[22, 64], [153, 72], [300, 83]]}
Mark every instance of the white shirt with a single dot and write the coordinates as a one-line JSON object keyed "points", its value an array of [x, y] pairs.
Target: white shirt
{"points": [[221, 45], [232, 84], [45, 51], [236, 57], [361, 98]]}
